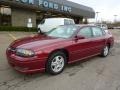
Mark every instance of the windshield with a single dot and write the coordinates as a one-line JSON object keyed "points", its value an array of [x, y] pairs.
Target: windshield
{"points": [[62, 31], [43, 21]]}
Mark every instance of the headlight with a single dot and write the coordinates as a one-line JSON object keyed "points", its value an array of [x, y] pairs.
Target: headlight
{"points": [[24, 53]]}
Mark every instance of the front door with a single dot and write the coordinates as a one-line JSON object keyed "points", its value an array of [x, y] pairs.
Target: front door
{"points": [[83, 48]]}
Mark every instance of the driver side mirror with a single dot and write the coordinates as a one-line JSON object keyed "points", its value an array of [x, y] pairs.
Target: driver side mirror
{"points": [[40, 31], [79, 37]]}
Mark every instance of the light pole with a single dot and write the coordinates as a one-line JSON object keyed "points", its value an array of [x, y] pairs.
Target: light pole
{"points": [[115, 18], [97, 13]]}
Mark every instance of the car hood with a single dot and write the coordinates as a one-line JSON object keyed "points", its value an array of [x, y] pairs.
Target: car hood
{"points": [[35, 42]]}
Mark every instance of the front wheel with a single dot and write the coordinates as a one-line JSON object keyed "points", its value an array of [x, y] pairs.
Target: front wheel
{"points": [[56, 63], [105, 51]]}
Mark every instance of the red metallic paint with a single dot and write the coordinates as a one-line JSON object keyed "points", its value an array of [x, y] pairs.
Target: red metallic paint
{"points": [[43, 46]]}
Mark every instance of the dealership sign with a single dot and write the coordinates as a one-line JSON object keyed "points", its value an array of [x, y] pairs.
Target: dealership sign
{"points": [[47, 4]]}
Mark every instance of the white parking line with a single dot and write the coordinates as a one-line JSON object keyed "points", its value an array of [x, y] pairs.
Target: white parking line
{"points": [[12, 36]]}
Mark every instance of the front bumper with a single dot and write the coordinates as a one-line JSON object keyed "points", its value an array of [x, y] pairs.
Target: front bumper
{"points": [[26, 65]]}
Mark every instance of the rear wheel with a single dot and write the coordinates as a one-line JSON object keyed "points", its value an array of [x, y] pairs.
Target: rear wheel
{"points": [[105, 51], [56, 63]]}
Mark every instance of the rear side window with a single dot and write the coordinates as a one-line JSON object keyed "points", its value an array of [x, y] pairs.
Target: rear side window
{"points": [[72, 22], [97, 32], [66, 22], [86, 32]]}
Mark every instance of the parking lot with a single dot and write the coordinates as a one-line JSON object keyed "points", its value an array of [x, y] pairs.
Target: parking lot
{"points": [[94, 74]]}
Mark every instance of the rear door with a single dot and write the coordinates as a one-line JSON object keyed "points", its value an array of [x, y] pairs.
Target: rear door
{"points": [[99, 39]]}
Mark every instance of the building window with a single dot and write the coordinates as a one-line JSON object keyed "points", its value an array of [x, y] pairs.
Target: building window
{"points": [[5, 16]]}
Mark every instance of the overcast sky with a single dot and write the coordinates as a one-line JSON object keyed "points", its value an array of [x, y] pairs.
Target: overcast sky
{"points": [[107, 8]]}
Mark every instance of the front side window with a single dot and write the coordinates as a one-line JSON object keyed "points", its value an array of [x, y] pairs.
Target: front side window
{"points": [[86, 32], [62, 31], [97, 32]]}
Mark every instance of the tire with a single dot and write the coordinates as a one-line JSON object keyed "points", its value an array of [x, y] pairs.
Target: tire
{"points": [[56, 63], [105, 51]]}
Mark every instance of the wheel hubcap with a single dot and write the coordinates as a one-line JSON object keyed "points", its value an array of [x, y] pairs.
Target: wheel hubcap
{"points": [[57, 63], [106, 51]]}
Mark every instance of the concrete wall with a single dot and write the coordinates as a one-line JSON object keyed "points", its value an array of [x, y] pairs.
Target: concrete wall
{"points": [[20, 17]]}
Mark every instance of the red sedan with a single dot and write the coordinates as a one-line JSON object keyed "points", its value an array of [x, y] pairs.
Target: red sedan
{"points": [[51, 51]]}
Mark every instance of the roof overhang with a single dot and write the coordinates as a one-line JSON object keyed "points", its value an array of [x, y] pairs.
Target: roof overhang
{"points": [[62, 6]]}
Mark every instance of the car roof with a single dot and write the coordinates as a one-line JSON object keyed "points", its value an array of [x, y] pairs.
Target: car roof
{"points": [[58, 18], [80, 25]]}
